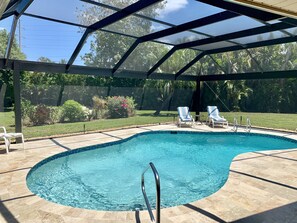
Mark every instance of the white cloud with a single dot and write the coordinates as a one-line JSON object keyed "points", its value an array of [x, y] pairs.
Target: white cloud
{"points": [[172, 6], [192, 38], [155, 28], [164, 40]]}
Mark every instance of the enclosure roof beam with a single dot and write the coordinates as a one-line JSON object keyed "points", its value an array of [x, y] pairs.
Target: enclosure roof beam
{"points": [[11, 3], [250, 76], [234, 48], [141, 16], [118, 9], [100, 4], [10, 9], [84, 26], [254, 45], [243, 10], [83, 70], [190, 25], [177, 29], [257, 14], [3, 6], [196, 59], [216, 63], [161, 61], [18, 12], [139, 5], [11, 38], [125, 56], [107, 72], [254, 59], [198, 23], [238, 34], [289, 21], [129, 10], [18, 8]]}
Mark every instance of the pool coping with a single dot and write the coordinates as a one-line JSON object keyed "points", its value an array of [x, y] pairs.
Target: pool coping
{"points": [[29, 208]]}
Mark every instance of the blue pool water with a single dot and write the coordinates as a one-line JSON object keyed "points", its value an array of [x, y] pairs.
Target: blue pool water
{"points": [[107, 177]]}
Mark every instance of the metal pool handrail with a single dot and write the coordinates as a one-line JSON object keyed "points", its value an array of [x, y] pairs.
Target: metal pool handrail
{"points": [[158, 194], [248, 125], [235, 125]]}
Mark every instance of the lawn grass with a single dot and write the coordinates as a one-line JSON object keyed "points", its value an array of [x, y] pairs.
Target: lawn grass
{"points": [[269, 120], [142, 118]]}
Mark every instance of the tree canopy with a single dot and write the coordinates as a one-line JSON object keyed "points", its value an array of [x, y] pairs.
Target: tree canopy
{"points": [[277, 95]]}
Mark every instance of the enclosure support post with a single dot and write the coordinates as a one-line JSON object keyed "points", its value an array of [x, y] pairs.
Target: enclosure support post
{"points": [[10, 39], [197, 99], [17, 99]]}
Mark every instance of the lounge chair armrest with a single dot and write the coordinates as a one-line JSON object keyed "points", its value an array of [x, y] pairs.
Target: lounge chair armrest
{"points": [[4, 129]]}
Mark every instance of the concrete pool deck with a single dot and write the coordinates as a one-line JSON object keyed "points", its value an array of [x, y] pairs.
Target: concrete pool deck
{"points": [[262, 186]]}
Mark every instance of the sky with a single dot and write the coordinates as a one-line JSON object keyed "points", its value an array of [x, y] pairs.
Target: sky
{"points": [[57, 41]]}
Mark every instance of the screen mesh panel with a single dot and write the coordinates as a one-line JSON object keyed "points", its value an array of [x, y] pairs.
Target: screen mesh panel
{"points": [[177, 61]]}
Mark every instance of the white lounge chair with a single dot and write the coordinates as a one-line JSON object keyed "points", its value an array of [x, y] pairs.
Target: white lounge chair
{"points": [[8, 136], [214, 117], [184, 116]]}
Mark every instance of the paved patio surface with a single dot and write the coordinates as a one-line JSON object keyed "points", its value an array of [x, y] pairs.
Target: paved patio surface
{"points": [[262, 186]]}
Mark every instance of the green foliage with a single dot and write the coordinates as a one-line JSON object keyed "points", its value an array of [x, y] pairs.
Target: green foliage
{"points": [[178, 60], [88, 113], [120, 107], [6, 75], [284, 121], [40, 115], [15, 49], [72, 111], [106, 49], [27, 108], [55, 114], [99, 105]]}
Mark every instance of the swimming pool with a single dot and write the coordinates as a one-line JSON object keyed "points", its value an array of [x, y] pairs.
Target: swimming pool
{"points": [[107, 177]]}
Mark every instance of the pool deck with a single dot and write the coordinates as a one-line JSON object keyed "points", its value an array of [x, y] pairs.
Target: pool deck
{"points": [[262, 186]]}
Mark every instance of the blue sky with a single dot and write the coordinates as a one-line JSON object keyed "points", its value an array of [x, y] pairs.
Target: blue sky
{"points": [[57, 41]]}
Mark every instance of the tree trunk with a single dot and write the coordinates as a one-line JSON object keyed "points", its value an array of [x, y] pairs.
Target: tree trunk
{"points": [[142, 98], [2, 96], [108, 90], [59, 102], [170, 100], [157, 112]]}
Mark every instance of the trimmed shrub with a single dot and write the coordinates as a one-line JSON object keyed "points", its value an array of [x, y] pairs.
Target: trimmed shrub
{"points": [[99, 106], [88, 113], [40, 115], [120, 107], [72, 111], [55, 114], [27, 108]]}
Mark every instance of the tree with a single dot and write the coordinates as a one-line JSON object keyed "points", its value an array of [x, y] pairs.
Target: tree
{"points": [[274, 95], [6, 79], [106, 49], [15, 49]]}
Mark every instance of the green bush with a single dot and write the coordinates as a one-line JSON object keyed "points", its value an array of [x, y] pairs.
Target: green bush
{"points": [[55, 114], [120, 107], [27, 108], [88, 113], [40, 115], [99, 106], [72, 111]]}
